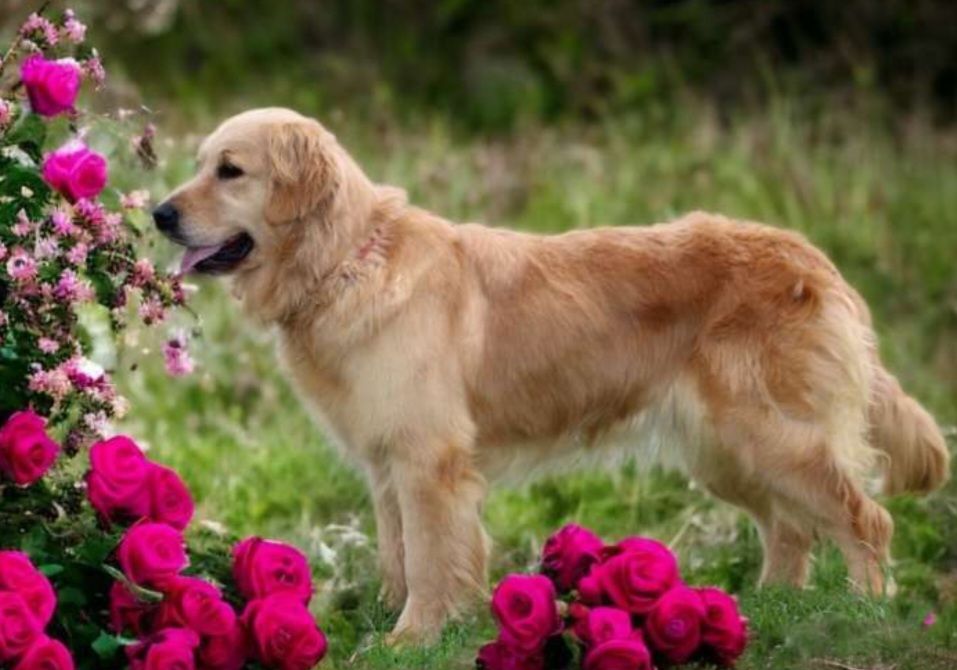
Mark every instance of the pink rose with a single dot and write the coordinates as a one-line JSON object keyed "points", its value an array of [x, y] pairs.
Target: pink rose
{"points": [[18, 627], [725, 631], [223, 652], [75, 171], [26, 451], [638, 572], [18, 575], [151, 554], [45, 654], [168, 649], [282, 633], [117, 484], [196, 604], [263, 567], [52, 86], [602, 624], [569, 554], [524, 606], [673, 626], [627, 654], [170, 501], [128, 613], [500, 656]]}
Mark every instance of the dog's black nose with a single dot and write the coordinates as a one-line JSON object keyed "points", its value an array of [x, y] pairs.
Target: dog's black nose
{"points": [[166, 217]]}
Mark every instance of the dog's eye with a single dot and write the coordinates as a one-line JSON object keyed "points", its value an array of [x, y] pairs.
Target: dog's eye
{"points": [[228, 171]]}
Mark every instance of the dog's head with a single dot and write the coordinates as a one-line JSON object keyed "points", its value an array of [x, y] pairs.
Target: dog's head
{"points": [[260, 175]]}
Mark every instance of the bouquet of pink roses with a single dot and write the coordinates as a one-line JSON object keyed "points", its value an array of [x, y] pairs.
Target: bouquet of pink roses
{"points": [[94, 567], [622, 606]]}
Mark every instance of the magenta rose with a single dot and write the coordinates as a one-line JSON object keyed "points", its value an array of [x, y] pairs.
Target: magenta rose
{"points": [[18, 627], [170, 501], [601, 624], [168, 649], [18, 575], [500, 656], [151, 554], [524, 606], [117, 484], [282, 633], [52, 85], [569, 554], [223, 652], [724, 632], [75, 171], [637, 573], [195, 604], [263, 567], [45, 653], [673, 626], [26, 451], [619, 654], [128, 613]]}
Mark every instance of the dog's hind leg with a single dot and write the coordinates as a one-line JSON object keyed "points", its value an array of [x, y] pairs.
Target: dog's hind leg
{"points": [[391, 550]]}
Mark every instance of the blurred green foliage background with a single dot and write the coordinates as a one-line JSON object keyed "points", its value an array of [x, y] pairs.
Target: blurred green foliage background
{"points": [[833, 118]]}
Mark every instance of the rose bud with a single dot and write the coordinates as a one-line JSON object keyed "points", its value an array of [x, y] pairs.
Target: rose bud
{"points": [[168, 649], [283, 633], [569, 554], [500, 656], [26, 451], [45, 654], [117, 481], [151, 554], [725, 631], [524, 606], [170, 501], [18, 627], [263, 567], [192, 603], [75, 171], [601, 624], [128, 613], [637, 573], [619, 654], [18, 574], [52, 86], [673, 626]]}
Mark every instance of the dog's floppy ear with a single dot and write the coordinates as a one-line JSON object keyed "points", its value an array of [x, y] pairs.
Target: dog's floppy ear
{"points": [[303, 176]]}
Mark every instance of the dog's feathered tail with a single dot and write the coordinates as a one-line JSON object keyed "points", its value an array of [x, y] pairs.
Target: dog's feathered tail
{"points": [[908, 434]]}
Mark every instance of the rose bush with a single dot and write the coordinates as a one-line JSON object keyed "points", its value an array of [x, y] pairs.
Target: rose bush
{"points": [[609, 607], [99, 564]]}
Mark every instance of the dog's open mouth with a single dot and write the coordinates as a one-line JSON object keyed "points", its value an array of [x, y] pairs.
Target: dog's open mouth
{"points": [[217, 258]]}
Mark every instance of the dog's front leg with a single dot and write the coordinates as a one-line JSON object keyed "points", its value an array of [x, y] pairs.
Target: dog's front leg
{"points": [[440, 497], [388, 520]]}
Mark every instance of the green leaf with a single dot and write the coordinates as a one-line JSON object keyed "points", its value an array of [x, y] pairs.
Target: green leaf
{"points": [[143, 594], [107, 645], [51, 569], [28, 133]]}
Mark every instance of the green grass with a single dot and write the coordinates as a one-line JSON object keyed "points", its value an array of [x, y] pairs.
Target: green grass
{"points": [[882, 203]]}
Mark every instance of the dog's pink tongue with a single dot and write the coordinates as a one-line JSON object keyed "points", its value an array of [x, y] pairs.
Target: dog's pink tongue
{"points": [[196, 255]]}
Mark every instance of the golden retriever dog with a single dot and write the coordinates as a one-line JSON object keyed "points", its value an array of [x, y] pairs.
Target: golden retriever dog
{"points": [[440, 356]]}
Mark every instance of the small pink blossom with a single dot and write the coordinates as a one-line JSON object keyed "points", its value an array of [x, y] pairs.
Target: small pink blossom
{"points": [[21, 266], [3, 251], [47, 247], [177, 358], [152, 311], [24, 226], [54, 383], [40, 30], [77, 255], [143, 272], [929, 620], [83, 372], [48, 345], [94, 70], [97, 422], [135, 199], [6, 114], [73, 289], [62, 223], [3, 318], [73, 30]]}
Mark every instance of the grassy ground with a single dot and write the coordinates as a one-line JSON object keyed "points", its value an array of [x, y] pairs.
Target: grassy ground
{"points": [[881, 203]]}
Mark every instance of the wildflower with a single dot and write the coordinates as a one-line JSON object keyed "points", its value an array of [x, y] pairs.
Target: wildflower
{"points": [[62, 223], [6, 114], [73, 30], [47, 247], [135, 199], [48, 345], [23, 226], [143, 273], [21, 266], [54, 383], [77, 255], [71, 288], [40, 30], [94, 70], [176, 356], [3, 251]]}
